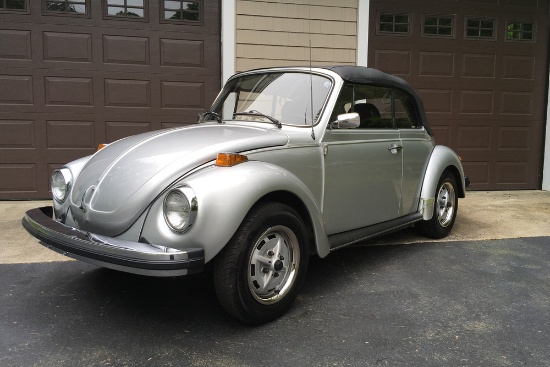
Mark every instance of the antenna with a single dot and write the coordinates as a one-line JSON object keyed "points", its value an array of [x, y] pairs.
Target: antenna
{"points": [[310, 75]]}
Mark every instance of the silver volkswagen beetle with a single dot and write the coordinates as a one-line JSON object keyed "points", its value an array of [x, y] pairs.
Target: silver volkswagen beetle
{"points": [[287, 163]]}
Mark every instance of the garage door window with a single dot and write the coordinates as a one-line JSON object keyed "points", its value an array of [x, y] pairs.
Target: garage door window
{"points": [[13, 5], [520, 31], [188, 11], [480, 28], [438, 26], [126, 9], [74, 7], [393, 23]]}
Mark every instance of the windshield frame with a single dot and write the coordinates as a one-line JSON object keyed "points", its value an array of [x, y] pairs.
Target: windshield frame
{"points": [[225, 92]]}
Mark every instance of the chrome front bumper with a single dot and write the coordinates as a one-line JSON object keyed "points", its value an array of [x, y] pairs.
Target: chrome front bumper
{"points": [[131, 257]]}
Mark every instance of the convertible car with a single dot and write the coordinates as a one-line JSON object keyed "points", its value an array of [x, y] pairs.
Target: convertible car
{"points": [[287, 163]]}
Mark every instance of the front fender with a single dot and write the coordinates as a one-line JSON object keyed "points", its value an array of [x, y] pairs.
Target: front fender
{"points": [[224, 196], [442, 158]]}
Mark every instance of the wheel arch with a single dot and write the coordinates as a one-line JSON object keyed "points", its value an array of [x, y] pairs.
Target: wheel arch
{"points": [[294, 201], [442, 159]]}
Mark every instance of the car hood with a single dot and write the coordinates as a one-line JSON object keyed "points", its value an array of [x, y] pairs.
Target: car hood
{"points": [[118, 183]]}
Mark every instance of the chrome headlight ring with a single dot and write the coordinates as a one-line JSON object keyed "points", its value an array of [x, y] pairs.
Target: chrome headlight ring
{"points": [[61, 183], [180, 209]]}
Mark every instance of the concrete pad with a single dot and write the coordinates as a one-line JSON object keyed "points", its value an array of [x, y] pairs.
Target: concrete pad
{"points": [[481, 216], [16, 244]]}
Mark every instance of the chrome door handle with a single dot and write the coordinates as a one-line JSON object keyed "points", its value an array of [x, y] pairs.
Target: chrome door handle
{"points": [[395, 147]]}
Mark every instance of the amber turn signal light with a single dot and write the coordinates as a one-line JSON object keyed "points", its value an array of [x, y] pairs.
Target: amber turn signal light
{"points": [[230, 159], [101, 146]]}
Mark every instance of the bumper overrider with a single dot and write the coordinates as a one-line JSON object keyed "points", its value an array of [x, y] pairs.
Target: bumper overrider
{"points": [[131, 257]]}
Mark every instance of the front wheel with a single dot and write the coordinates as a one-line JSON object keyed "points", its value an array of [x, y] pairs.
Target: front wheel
{"points": [[445, 209], [258, 274]]}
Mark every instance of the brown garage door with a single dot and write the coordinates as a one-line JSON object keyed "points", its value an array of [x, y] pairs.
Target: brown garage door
{"points": [[481, 68], [77, 73]]}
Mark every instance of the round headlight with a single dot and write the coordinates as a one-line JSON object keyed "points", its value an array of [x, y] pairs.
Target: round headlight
{"points": [[180, 208], [61, 181]]}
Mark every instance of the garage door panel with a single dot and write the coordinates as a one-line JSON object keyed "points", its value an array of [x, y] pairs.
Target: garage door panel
{"points": [[516, 103], [478, 172], [510, 174], [442, 134], [16, 90], [478, 65], [437, 101], [69, 91], [476, 102], [474, 138], [16, 134], [16, 44], [126, 50], [18, 178], [515, 138], [66, 134], [63, 46], [127, 93], [396, 62], [518, 67], [181, 52], [182, 94], [436, 64]]}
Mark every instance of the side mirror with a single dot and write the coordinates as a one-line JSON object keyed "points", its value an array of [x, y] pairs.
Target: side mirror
{"points": [[347, 121]]}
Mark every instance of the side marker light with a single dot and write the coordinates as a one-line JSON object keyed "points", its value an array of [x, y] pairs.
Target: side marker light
{"points": [[230, 159]]}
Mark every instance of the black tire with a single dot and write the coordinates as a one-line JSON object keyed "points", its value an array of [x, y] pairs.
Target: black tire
{"points": [[259, 273], [445, 209]]}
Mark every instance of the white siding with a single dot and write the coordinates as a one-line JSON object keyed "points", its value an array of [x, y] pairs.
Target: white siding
{"points": [[278, 33]]}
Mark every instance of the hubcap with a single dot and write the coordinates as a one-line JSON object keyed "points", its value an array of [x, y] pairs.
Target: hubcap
{"points": [[273, 264], [445, 204]]}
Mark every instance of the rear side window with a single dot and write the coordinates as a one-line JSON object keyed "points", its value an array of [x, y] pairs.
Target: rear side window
{"points": [[405, 112]]}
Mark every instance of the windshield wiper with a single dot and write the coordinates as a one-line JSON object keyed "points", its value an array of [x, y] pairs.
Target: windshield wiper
{"points": [[258, 113], [202, 116]]}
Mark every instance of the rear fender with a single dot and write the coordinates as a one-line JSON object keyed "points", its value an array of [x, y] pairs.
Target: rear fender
{"points": [[442, 158]]}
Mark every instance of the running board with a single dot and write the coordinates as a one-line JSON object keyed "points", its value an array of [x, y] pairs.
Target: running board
{"points": [[357, 235]]}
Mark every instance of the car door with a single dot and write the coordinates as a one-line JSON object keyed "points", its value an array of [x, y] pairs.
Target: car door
{"points": [[417, 148], [363, 166]]}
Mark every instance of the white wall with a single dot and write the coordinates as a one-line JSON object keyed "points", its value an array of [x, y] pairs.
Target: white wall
{"points": [[363, 32], [228, 39]]}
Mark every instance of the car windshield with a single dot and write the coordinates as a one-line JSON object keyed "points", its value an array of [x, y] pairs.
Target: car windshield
{"points": [[283, 98]]}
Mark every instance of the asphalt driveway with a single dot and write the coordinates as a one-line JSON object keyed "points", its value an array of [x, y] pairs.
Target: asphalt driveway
{"points": [[477, 303]]}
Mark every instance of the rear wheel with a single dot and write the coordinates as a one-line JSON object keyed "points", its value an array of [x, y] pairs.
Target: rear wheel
{"points": [[445, 209], [258, 274]]}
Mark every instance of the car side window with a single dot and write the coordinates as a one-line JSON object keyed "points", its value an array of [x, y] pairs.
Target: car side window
{"points": [[378, 107], [405, 113]]}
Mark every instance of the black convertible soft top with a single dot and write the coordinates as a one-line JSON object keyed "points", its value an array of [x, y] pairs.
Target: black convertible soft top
{"points": [[364, 75]]}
